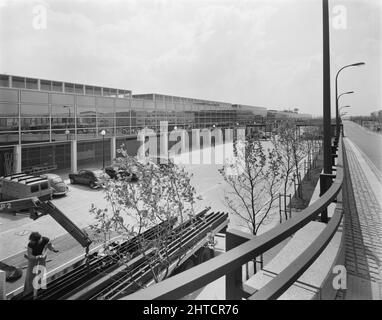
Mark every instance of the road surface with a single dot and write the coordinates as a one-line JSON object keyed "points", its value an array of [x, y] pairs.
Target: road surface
{"points": [[369, 142]]}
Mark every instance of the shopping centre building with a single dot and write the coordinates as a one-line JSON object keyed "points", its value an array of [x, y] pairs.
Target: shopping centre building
{"points": [[59, 126]]}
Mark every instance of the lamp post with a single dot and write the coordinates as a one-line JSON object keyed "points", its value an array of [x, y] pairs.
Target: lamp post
{"points": [[337, 97], [103, 132], [325, 178], [67, 132]]}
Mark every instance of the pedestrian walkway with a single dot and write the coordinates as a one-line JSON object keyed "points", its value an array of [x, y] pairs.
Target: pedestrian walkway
{"points": [[363, 225]]}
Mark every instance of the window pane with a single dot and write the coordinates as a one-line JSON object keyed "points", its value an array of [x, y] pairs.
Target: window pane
{"points": [[97, 91], [8, 95], [34, 123], [35, 136], [62, 135], [57, 86], [79, 88], [86, 133], [63, 111], [9, 124], [8, 109], [125, 113], [106, 122], [18, 82], [34, 97], [4, 81], [28, 110], [31, 83], [86, 111], [69, 87], [121, 122], [9, 138], [64, 122], [86, 122], [46, 85], [89, 90]]}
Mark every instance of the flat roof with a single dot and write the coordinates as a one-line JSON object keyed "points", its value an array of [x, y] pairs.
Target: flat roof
{"points": [[19, 82]]}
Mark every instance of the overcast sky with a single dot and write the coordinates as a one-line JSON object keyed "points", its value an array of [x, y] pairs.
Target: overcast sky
{"points": [[262, 53]]}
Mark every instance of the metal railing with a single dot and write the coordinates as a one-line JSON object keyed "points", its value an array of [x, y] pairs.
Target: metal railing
{"points": [[242, 248]]}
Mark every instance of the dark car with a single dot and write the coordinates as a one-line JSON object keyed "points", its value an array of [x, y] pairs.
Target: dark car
{"points": [[91, 178], [116, 172]]}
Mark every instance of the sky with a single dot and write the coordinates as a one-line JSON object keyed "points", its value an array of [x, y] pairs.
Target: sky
{"points": [[253, 52]]}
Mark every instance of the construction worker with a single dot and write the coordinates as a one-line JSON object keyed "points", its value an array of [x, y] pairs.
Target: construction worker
{"points": [[36, 255]]}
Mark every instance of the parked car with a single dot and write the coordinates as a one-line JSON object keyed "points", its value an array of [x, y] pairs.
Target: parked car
{"points": [[115, 172], [58, 186], [92, 178]]}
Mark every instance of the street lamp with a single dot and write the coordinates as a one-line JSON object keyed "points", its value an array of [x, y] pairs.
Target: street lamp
{"points": [[343, 107], [67, 132], [337, 97], [103, 132]]}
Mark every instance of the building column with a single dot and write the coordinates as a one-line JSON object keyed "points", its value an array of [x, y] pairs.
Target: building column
{"points": [[163, 142], [73, 155], [17, 159], [113, 148]]}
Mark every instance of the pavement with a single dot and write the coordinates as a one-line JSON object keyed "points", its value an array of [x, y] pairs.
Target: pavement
{"points": [[363, 221]]}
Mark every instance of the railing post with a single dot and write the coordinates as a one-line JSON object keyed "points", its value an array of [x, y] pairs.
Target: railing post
{"points": [[233, 280]]}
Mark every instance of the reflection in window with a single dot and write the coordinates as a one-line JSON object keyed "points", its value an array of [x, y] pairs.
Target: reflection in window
{"points": [[35, 123], [59, 123], [122, 113], [106, 122], [86, 133], [63, 111], [9, 124], [86, 111], [9, 137], [62, 135], [35, 136], [86, 122], [120, 122]]}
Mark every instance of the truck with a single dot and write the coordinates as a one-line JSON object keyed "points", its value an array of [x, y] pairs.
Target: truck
{"points": [[23, 185]]}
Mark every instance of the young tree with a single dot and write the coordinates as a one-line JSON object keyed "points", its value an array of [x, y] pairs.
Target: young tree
{"points": [[254, 182], [283, 145], [160, 194]]}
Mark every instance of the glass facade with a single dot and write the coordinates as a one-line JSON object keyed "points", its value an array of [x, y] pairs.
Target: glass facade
{"points": [[35, 111], [44, 116]]}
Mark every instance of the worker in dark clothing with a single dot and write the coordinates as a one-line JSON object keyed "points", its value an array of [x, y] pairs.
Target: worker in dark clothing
{"points": [[36, 255]]}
